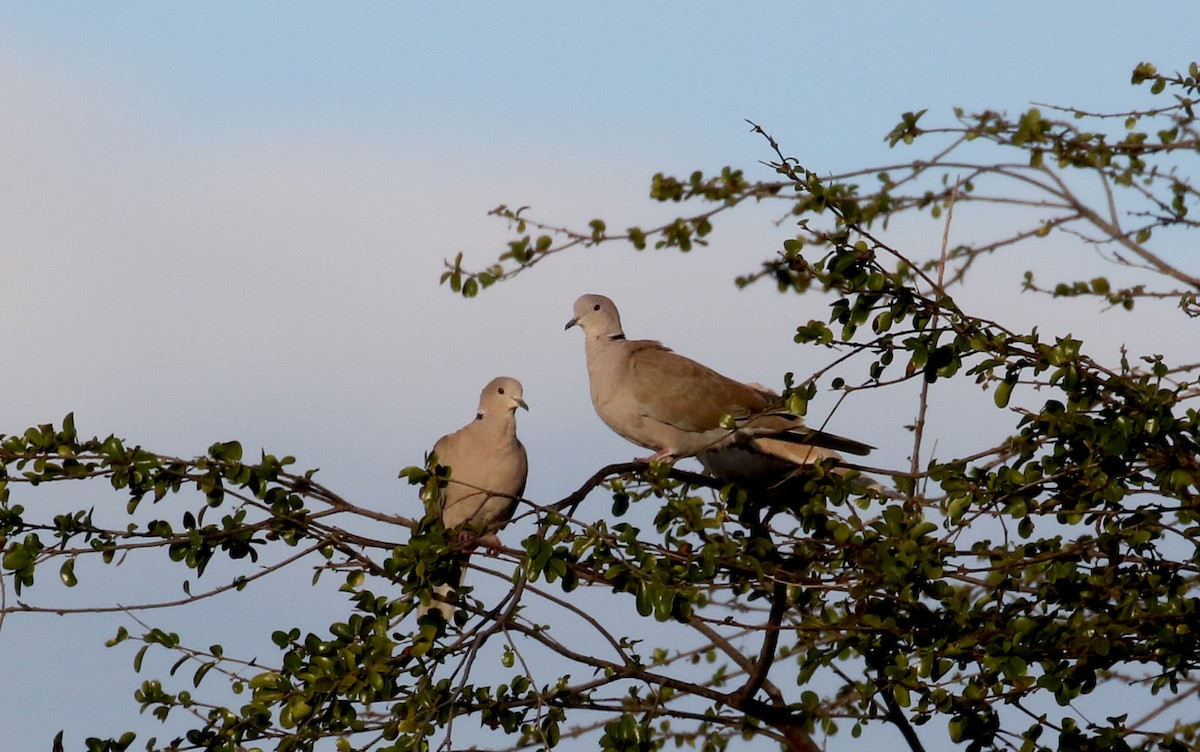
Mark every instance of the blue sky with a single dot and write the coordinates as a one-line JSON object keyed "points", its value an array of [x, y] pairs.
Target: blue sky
{"points": [[227, 220]]}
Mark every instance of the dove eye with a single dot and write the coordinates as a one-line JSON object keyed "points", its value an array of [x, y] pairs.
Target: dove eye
{"points": [[596, 307], [500, 390]]}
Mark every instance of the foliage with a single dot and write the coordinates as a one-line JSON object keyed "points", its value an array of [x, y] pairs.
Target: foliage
{"points": [[996, 594]]}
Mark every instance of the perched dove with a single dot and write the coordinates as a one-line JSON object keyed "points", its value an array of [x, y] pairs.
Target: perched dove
{"points": [[488, 468], [671, 404]]}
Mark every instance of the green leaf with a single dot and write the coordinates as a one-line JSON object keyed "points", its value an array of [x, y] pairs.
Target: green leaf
{"points": [[1003, 392], [122, 635], [227, 451], [139, 657], [16, 558], [67, 573]]}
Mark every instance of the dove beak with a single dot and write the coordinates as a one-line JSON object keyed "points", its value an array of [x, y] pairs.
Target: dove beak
{"points": [[571, 323], [521, 403]]}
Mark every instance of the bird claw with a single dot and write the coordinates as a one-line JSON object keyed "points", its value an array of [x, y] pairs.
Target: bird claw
{"points": [[491, 541], [469, 540]]}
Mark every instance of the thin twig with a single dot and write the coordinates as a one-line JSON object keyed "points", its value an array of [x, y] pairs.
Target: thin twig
{"points": [[939, 292], [573, 500], [237, 584]]}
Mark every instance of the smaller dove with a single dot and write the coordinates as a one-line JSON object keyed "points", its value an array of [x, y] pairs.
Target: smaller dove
{"points": [[488, 468]]}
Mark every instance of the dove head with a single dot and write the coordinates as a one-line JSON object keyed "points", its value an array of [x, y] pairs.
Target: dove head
{"points": [[503, 395], [597, 316]]}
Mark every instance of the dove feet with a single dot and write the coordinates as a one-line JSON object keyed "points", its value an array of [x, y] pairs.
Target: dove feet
{"points": [[490, 541], [661, 455]]}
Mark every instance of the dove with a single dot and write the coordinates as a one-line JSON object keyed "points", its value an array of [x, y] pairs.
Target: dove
{"points": [[677, 407], [488, 467]]}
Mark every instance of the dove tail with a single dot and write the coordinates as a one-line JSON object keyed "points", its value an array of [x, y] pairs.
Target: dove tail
{"points": [[824, 440], [444, 598]]}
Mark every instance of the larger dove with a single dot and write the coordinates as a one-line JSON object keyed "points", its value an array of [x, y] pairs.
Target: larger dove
{"points": [[488, 467], [677, 407]]}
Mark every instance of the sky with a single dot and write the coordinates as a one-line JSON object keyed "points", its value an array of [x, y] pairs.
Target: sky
{"points": [[227, 220]]}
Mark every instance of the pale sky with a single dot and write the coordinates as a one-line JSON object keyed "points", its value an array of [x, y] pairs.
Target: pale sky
{"points": [[227, 220]]}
